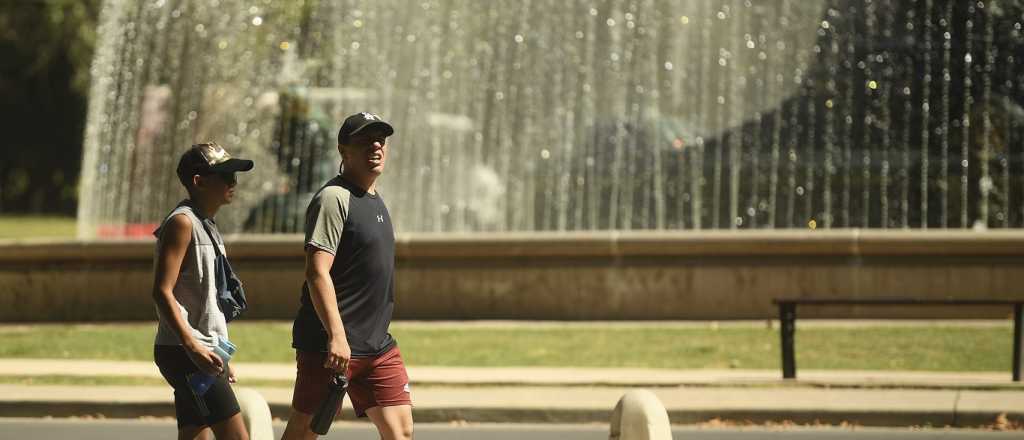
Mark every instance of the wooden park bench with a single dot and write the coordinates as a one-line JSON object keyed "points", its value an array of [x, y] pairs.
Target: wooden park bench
{"points": [[787, 320]]}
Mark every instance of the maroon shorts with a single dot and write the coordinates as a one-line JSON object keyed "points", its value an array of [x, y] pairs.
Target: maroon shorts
{"points": [[372, 381]]}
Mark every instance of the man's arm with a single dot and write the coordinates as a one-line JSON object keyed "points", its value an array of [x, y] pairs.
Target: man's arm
{"points": [[325, 302], [174, 245]]}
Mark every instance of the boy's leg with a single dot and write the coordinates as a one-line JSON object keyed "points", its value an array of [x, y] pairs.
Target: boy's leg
{"points": [[219, 400], [232, 428], [393, 422], [193, 432]]}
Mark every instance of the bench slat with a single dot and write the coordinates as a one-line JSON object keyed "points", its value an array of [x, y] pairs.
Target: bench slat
{"points": [[787, 322]]}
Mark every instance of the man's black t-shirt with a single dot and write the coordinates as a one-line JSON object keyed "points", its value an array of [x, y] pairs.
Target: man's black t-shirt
{"points": [[355, 226]]}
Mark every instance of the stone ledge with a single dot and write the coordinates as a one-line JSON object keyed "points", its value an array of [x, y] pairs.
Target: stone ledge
{"points": [[614, 244]]}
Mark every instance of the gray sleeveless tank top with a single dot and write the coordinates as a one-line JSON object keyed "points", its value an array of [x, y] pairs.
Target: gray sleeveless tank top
{"points": [[195, 291]]}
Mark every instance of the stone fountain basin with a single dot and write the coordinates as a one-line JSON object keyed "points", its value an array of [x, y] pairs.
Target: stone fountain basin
{"points": [[644, 275]]}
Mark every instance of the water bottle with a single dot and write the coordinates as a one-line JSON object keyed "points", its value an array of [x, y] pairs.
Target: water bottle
{"points": [[321, 422], [201, 382]]}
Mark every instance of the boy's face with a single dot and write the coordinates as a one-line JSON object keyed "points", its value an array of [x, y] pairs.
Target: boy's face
{"points": [[220, 186]]}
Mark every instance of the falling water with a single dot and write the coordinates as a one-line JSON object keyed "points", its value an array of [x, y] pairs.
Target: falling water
{"points": [[926, 120], [944, 133], [571, 115], [965, 122], [884, 58]]}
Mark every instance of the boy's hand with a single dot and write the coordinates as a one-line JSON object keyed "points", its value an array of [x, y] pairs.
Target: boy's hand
{"points": [[205, 359]]}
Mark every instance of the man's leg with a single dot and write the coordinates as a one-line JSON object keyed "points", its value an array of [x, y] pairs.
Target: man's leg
{"points": [[311, 379], [393, 422], [298, 426]]}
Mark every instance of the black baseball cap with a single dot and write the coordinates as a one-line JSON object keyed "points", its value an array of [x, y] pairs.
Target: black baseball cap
{"points": [[359, 122], [206, 158]]}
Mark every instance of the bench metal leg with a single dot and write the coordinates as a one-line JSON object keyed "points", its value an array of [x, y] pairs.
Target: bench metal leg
{"points": [[787, 328], [1018, 340]]}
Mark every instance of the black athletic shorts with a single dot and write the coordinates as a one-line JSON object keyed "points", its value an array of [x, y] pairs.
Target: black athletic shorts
{"points": [[219, 400]]}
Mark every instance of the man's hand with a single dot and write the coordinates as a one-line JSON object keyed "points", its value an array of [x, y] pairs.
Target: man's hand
{"points": [[206, 360], [231, 374], [338, 354]]}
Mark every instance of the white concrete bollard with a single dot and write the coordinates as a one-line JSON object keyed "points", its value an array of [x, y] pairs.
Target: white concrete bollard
{"points": [[255, 414], [639, 415]]}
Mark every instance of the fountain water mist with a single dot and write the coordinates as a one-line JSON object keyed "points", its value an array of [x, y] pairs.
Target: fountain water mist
{"points": [[571, 115]]}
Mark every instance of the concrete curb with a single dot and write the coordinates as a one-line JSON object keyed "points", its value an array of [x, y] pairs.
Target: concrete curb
{"points": [[571, 395], [880, 418]]}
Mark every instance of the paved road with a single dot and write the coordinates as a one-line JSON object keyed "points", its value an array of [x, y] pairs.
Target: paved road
{"points": [[46, 429]]}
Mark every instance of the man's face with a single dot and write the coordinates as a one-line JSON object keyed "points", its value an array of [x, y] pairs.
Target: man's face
{"points": [[366, 152]]}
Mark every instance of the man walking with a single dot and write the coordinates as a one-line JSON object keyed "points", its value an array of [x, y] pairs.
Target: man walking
{"points": [[348, 297]]}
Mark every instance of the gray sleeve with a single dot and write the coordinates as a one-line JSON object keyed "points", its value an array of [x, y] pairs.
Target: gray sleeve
{"points": [[325, 219]]}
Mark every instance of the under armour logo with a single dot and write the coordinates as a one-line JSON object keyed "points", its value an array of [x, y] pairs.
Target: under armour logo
{"points": [[370, 116], [380, 218]]}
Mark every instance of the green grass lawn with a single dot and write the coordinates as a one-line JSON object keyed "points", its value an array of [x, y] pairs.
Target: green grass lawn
{"points": [[930, 348], [17, 226]]}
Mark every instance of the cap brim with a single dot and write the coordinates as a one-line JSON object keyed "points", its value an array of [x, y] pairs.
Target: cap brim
{"points": [[388, 129], [233, 165]]}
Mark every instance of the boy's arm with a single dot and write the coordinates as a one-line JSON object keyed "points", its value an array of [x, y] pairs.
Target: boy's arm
{"points": [[174, 245]]}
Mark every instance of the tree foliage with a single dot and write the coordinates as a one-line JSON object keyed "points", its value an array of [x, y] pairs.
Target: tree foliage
{"points": [[46, 48]]}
